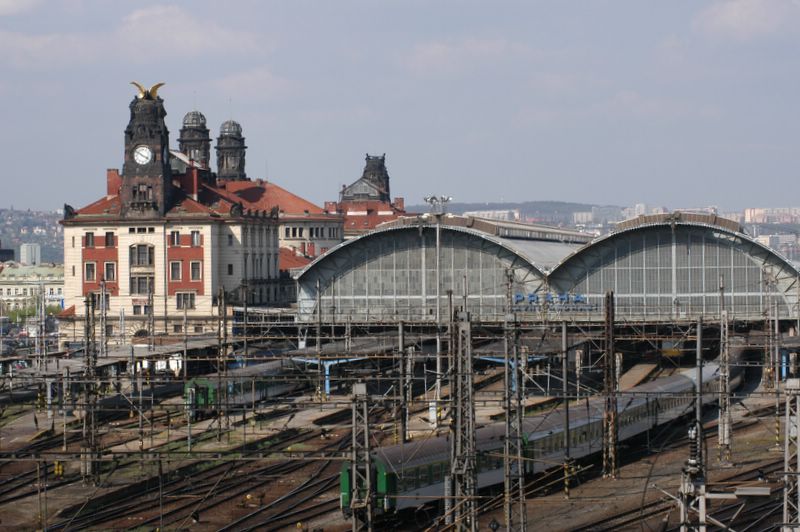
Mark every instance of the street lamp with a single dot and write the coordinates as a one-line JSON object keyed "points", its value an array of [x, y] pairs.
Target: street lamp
{"points": [[438, 204]]}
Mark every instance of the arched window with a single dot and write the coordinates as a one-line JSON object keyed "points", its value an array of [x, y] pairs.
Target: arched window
{"points": [[142, 255]]}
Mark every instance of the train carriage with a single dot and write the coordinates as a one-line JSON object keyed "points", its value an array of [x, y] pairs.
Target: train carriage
{"points": [[412, 474]]}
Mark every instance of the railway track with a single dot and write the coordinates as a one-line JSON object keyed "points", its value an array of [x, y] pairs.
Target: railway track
{"points": [[288, 507], [214, 485], [653, 509]]}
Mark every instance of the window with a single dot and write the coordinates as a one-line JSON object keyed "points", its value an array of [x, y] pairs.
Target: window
{"points": [[196, 268], [73, 271], [151, 229], [59, 291], [109, 240], [73, 241], [230, 240], [137, 310], [294, 232], [141, 284], [177, 328], [90, 271], [175, 271], [141, 255], [198, 329], [286, 232], [175, 238], [89, 240], [195, 238], [230, 269], [141, 229], [142, 193], [51, 291], [300, 231], [110, 271], [131, 229], [185, 300]]}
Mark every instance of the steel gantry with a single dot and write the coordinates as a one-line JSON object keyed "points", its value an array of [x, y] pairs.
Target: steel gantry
{"points": [[724, 426], [361, 498], [514, 496], [462, 443], [89, 452], [610, 435], [791, 458]]}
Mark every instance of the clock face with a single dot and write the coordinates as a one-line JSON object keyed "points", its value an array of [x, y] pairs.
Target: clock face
{"points": [[142, 155]]}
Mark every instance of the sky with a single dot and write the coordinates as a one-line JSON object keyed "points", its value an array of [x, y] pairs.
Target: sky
{"points": [[676, 104]]}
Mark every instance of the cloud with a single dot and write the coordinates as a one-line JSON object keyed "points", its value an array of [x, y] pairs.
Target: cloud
{"points": [[14, 7], [172, 31], [748, 19], [163, 32], [441, 58], [255, 84]]}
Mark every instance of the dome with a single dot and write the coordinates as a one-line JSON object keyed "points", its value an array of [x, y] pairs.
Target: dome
{"points": [[230, 128], [194, 119]]}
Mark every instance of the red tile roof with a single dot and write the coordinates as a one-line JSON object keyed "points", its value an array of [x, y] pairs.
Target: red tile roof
{"points": [[289, 259], [264, 195], [106, 205], [68, 312], [218, 200]]}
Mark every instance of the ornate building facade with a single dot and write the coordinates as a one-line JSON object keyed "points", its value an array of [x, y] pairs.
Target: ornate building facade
{"points": [[170, 236], [367, 202]]}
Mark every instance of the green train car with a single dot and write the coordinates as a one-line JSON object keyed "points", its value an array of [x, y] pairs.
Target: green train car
{"points": [[411, 475], [244, 386]]}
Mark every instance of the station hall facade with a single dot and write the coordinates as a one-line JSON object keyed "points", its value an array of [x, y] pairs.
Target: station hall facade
{"points": [[662, 268]]}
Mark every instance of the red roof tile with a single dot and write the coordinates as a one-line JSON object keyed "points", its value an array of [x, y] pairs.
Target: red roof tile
{"points": [[264, 195], [68, 312], [289, 259]]}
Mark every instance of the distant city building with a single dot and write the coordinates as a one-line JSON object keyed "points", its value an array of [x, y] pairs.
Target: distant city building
{"points": [[582, 217], [606, 215], [785, 215], [30, 254], [6, 254], [505, 215], [366, 203], [21, 285]]}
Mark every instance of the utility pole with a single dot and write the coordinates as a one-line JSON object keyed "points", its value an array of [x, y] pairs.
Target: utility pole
{"points": [[361, 496], [151, 319], [438, 207], [610, 435], [725, 422], [791, 458], [514, 496], [185, 344], [89, 467], [462, 443], [565, 392], [103, 320], [318, 343], [693, 476]]}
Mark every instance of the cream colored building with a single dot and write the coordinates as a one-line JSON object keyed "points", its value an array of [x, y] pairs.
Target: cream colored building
{"points": [[21, 285]]}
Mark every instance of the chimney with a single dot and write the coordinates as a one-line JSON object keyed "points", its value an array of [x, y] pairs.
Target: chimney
{"points": [[190, 182], [113, 182], [400, 204]]}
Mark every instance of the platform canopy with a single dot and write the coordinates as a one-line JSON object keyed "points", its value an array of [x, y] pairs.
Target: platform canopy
{"points": [[661, 268], [391, 273], [681, 266]]}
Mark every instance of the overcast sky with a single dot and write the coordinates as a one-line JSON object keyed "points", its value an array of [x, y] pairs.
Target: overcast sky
{"points": [[679, 103]]}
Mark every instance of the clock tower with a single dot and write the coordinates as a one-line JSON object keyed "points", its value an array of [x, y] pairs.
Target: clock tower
{"points": [[146, 174]]}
